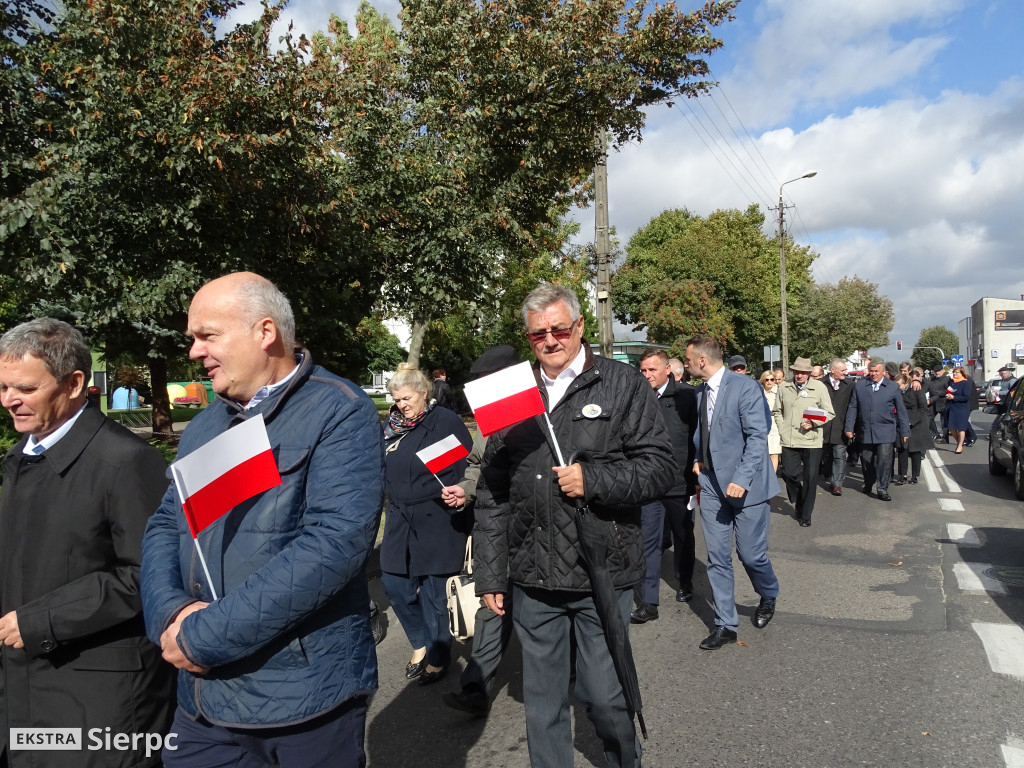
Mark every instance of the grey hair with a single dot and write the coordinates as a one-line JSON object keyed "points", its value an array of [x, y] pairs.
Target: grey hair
{"points": [[546, 294], [60, 346], [836, 361], [707, 346], [876, 361], [259, 298], [677, 366], [410, 376]]}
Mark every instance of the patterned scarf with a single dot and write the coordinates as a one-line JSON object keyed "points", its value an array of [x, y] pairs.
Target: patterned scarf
{"points": [[397, 426]]}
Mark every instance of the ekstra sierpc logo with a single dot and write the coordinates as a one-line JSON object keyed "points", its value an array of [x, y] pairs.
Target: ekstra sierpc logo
{"points": [[96, 739]]}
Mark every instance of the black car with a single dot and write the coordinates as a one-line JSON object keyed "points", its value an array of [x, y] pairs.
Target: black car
{"points": [[1006, 438]]}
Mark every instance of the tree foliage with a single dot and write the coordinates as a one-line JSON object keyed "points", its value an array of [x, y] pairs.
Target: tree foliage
{"points": [[835, 319], [935, 336], [146, 150], [720, 274], [475, 125]]}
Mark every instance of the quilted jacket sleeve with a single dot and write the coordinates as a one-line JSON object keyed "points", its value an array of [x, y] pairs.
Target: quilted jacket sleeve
{"points": [[344, 493], [643, 468]]}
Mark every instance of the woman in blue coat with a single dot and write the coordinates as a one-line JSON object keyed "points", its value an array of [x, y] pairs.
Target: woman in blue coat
{"points": [[958, 407], [424, 539]]}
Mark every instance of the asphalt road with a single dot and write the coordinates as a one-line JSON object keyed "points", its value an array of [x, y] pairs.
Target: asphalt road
{"points": [[897, 642]]}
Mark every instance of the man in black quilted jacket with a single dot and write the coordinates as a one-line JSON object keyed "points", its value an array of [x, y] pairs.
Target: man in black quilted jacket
{"points": [[617, 457]]}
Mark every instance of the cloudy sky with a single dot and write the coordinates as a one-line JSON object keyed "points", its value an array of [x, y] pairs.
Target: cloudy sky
{"points": [[911, 112]]}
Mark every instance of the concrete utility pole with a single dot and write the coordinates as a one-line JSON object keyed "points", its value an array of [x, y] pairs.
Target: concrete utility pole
{"points": [[782, 268], [602, 243]]}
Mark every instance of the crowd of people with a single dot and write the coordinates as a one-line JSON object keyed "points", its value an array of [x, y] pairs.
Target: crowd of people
{"points": [[107, 601]]}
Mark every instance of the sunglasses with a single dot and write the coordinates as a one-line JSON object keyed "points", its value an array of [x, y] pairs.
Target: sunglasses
{"points": [[560, 334]]}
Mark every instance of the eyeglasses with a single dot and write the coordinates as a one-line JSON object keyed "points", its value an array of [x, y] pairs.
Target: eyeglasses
{"points": [[560, 334]]}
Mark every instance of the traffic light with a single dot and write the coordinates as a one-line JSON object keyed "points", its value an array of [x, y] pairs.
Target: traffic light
{"points": [[899, 346]]}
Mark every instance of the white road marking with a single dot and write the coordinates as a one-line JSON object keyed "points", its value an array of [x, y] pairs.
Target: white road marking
{"points": [[1004, 646], [929, 476], [943, 472], [951, 505], [1013, 756], [972, 578], [961, 534]]}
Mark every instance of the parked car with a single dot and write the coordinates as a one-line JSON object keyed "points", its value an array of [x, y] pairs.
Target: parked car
{"points": [[1006, 438]]}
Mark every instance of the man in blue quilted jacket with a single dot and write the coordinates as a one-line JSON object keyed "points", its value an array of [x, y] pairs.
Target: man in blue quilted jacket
{"points": [[278, 669]]}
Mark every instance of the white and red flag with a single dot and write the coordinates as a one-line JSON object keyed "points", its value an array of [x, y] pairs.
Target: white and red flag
{"points": [[816, 414], [442, 454], [504, 398], [229, 469]]}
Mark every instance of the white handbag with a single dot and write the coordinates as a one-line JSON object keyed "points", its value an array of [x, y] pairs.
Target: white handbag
{"points": [[462, 600]]}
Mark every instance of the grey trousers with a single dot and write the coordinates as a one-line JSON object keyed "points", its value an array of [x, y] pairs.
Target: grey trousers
{"points": [[544, 621], [491, 634]]}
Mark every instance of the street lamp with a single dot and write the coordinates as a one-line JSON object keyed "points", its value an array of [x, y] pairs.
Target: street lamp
{"points": [[782, 268]]}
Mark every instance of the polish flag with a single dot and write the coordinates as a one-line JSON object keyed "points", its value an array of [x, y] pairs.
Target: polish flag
{"points": [[816, 414], [443, 453], [229, 469], [950, 390], [504, 398]]}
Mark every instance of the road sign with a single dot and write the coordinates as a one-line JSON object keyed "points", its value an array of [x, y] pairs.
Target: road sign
{"points": [[945, 362], [957, 359], [772, 353]]}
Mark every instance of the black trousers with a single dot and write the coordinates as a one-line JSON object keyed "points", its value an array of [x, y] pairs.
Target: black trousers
{"points": [[915, 462], [799, 468], [876, 463], [679, 520]]}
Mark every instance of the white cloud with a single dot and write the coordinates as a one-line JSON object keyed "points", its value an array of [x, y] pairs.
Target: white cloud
{"points": [[817, 54]]}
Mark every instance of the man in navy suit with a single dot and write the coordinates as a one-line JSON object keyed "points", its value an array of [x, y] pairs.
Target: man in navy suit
{"points": [[876, 410], [736, 485]]}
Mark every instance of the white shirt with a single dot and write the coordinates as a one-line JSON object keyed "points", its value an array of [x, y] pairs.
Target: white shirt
{"points": [[34, 447], [558, 386], [268, 389], [711, 394], [662, 388]]}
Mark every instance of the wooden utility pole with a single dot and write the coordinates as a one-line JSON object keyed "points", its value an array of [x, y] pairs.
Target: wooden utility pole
{"points": [[602, 243]]}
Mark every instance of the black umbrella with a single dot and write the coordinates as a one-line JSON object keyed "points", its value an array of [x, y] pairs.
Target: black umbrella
{"points": [[595, 537]]}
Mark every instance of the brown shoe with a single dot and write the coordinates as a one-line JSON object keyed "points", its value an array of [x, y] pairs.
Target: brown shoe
{"points": [[837, 490]]}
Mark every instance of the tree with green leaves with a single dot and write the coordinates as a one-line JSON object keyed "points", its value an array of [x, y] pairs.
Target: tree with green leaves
{"points": [[473, 130], [835, 319], [720, 275], [161, 153], [925, 354]]}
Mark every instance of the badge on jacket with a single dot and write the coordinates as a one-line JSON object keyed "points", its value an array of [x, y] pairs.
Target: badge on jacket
{"points": [[591, 410]]}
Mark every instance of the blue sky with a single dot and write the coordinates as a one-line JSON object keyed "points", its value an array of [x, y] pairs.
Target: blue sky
{"points": [[911, 111]]}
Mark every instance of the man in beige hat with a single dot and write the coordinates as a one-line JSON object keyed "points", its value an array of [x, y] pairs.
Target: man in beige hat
{"points": [[802, 407]]}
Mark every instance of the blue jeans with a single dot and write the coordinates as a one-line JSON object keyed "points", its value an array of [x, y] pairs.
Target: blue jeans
{"points": [[721, 519], [544, 621], [420, 605], [333, 740]]}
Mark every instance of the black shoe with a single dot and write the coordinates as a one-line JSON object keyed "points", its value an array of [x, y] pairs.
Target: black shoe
{"points": [[684, 594], [474, 702], [968, 445], [429, 678], [912, 481], [646, 612], [901, 480], [805, 523], [867, 490], [412, 671], [884, 496], [766, 608], [721, 636]]}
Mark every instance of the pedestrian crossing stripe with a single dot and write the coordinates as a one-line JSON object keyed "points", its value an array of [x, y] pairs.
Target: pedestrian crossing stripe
{"points": [[1004, 646]]}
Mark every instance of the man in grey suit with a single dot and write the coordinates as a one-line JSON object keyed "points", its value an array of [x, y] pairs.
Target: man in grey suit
{"points": [[876, 411], [736, 485]]}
